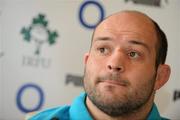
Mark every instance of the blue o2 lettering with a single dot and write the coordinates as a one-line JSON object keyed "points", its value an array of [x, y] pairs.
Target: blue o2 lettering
{"points": [[20, 94], [81, 14]]}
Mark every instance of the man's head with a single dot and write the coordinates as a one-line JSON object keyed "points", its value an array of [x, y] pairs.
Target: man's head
{"points": [[125, 65]]}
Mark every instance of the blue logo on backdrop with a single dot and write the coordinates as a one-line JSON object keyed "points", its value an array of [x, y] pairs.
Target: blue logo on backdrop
{"points": [[81, 13], [20, 93]]}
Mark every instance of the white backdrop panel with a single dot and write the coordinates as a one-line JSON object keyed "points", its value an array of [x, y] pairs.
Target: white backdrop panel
{"points": [[50, 68]]}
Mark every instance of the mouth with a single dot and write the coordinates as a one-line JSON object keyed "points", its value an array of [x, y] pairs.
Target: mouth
{"points": [[115, 83]]}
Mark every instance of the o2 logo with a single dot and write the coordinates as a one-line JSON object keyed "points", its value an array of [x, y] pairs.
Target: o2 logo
{"points": [[81, 13], [22, 91]]}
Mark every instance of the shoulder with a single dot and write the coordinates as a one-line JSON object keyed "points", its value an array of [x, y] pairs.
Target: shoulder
{"points": [[76, 111], [61, 112]]}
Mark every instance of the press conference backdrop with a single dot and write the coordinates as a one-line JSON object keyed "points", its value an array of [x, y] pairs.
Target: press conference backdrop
{"points": [[42, 43]]}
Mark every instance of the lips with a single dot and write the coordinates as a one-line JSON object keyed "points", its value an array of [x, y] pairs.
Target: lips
{"points": [[113, 79], [113, 82]]}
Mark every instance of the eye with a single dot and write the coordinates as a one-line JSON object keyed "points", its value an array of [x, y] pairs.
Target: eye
{"points": [[133, 54], [103, 50]]}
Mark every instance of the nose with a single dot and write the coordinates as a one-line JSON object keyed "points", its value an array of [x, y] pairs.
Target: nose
{"points": [[116, 63]]}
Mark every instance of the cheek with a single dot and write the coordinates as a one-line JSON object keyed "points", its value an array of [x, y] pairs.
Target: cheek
{"points": [[141, 74], [142, 70], [95, 65], [90, 71], [93, 70], [143, 80]]}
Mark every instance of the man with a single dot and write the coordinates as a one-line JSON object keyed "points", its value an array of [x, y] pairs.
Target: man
{"points": [[123, 69]]}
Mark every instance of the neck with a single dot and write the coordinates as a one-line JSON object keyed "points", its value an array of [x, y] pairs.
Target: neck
{"points": [[140, 114]]}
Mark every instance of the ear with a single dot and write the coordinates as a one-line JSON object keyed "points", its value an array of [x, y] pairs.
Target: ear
{"points": [[86, 56], [162, 77]]}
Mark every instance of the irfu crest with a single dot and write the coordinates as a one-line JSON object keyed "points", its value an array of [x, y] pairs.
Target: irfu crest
{"points": [[39, 32]]}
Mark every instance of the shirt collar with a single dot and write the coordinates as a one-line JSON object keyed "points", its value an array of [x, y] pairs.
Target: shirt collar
{"points": [[78, 110], [154, 114]]}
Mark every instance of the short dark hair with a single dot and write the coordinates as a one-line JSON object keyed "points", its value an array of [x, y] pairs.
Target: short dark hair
{"points": [[162, 45]]}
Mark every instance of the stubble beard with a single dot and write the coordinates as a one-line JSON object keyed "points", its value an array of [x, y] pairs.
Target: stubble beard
{"points": [[120, 106]]}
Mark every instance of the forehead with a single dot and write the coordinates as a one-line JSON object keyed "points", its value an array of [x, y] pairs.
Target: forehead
{"points": [[131, 25]]}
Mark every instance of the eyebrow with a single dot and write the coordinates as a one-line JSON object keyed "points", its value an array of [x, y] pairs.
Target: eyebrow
{"points": [[102, 38], [130, 41], [140, 43]]}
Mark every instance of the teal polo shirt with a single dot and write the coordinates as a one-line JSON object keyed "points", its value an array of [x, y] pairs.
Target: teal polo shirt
{"points": [[78, 111]]}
